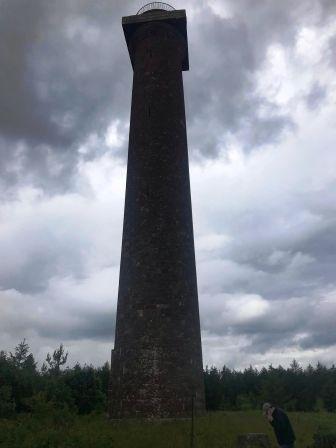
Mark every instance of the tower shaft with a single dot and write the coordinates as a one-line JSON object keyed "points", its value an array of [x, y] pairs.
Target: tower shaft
{"points": [[157, 360]]}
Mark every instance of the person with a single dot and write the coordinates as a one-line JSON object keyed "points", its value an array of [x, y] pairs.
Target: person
{"points": [[281, 425]]}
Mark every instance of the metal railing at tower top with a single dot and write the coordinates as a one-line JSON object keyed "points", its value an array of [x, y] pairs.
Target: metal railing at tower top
{"points": [[155, 5]]}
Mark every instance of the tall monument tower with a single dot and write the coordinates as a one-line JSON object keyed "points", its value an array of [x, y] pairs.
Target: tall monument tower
{"points": [[156, 364]]}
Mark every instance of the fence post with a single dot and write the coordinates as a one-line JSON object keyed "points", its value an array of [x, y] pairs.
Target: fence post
{"points": [[192, 436]]}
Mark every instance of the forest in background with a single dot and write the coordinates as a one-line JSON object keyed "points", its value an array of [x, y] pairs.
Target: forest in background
{"points": [[25, 388]]}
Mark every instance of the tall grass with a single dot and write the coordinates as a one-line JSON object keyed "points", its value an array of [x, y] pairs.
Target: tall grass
{"points": [[215, 430]]}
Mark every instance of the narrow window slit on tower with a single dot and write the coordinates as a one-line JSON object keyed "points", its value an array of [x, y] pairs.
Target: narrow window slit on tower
{"points": [[149, 111]]}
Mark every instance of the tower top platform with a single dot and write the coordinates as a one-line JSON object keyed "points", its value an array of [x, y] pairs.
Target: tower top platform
{"points": [[155, 6], [175, 17]]}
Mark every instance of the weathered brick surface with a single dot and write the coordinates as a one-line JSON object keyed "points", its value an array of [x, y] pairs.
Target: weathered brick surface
{"points": [[157, 358]]}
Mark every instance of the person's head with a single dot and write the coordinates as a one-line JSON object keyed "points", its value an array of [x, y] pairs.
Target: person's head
{"points": [[267, 409]]}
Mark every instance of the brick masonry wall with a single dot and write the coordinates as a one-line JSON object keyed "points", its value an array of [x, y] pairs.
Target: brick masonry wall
{"points": [[157, 359]]}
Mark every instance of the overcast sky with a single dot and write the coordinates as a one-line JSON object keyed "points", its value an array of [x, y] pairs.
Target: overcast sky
{"points": [[260, 101]]}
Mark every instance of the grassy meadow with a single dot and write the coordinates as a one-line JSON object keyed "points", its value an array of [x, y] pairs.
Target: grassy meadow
{"points": [[217, 429]]}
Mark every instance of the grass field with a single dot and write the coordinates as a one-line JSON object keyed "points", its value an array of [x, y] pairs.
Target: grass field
{"points": [[215, 430]]}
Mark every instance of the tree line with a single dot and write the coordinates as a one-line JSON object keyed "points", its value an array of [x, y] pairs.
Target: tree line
{"points": [[25, 388], [294, 388]]}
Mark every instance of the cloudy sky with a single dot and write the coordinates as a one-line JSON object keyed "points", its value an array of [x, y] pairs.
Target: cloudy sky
{"points": [[260, 100]]}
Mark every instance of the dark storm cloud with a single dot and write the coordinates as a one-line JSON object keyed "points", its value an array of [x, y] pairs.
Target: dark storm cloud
{"points": [[66, 75], [64, 65], [308, 325], [315, 97], [46, 261], [318, 340], [56, 238], [293, 280], [92, 324], [264, 342], [279, 22], [36, 250], [279, 252], [332, 51], [295, 323], [221, 87], [284, 249], [279, 326], [68, 320], [328, 9], [19, 29]]}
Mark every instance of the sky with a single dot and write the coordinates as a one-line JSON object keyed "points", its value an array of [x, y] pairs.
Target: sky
{"points": [[260, 104]]}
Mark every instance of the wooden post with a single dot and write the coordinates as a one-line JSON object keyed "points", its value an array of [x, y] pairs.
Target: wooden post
{"points": [[192, 437]]}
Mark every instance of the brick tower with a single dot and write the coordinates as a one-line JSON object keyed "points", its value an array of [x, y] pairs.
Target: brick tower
{"points": [[156, 364]]}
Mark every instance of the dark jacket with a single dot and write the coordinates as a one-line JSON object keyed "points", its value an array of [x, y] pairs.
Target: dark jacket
{"points": [[282, 427]]}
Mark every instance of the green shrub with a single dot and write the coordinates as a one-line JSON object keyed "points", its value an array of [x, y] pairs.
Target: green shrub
{"points": [[7, 404]]}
